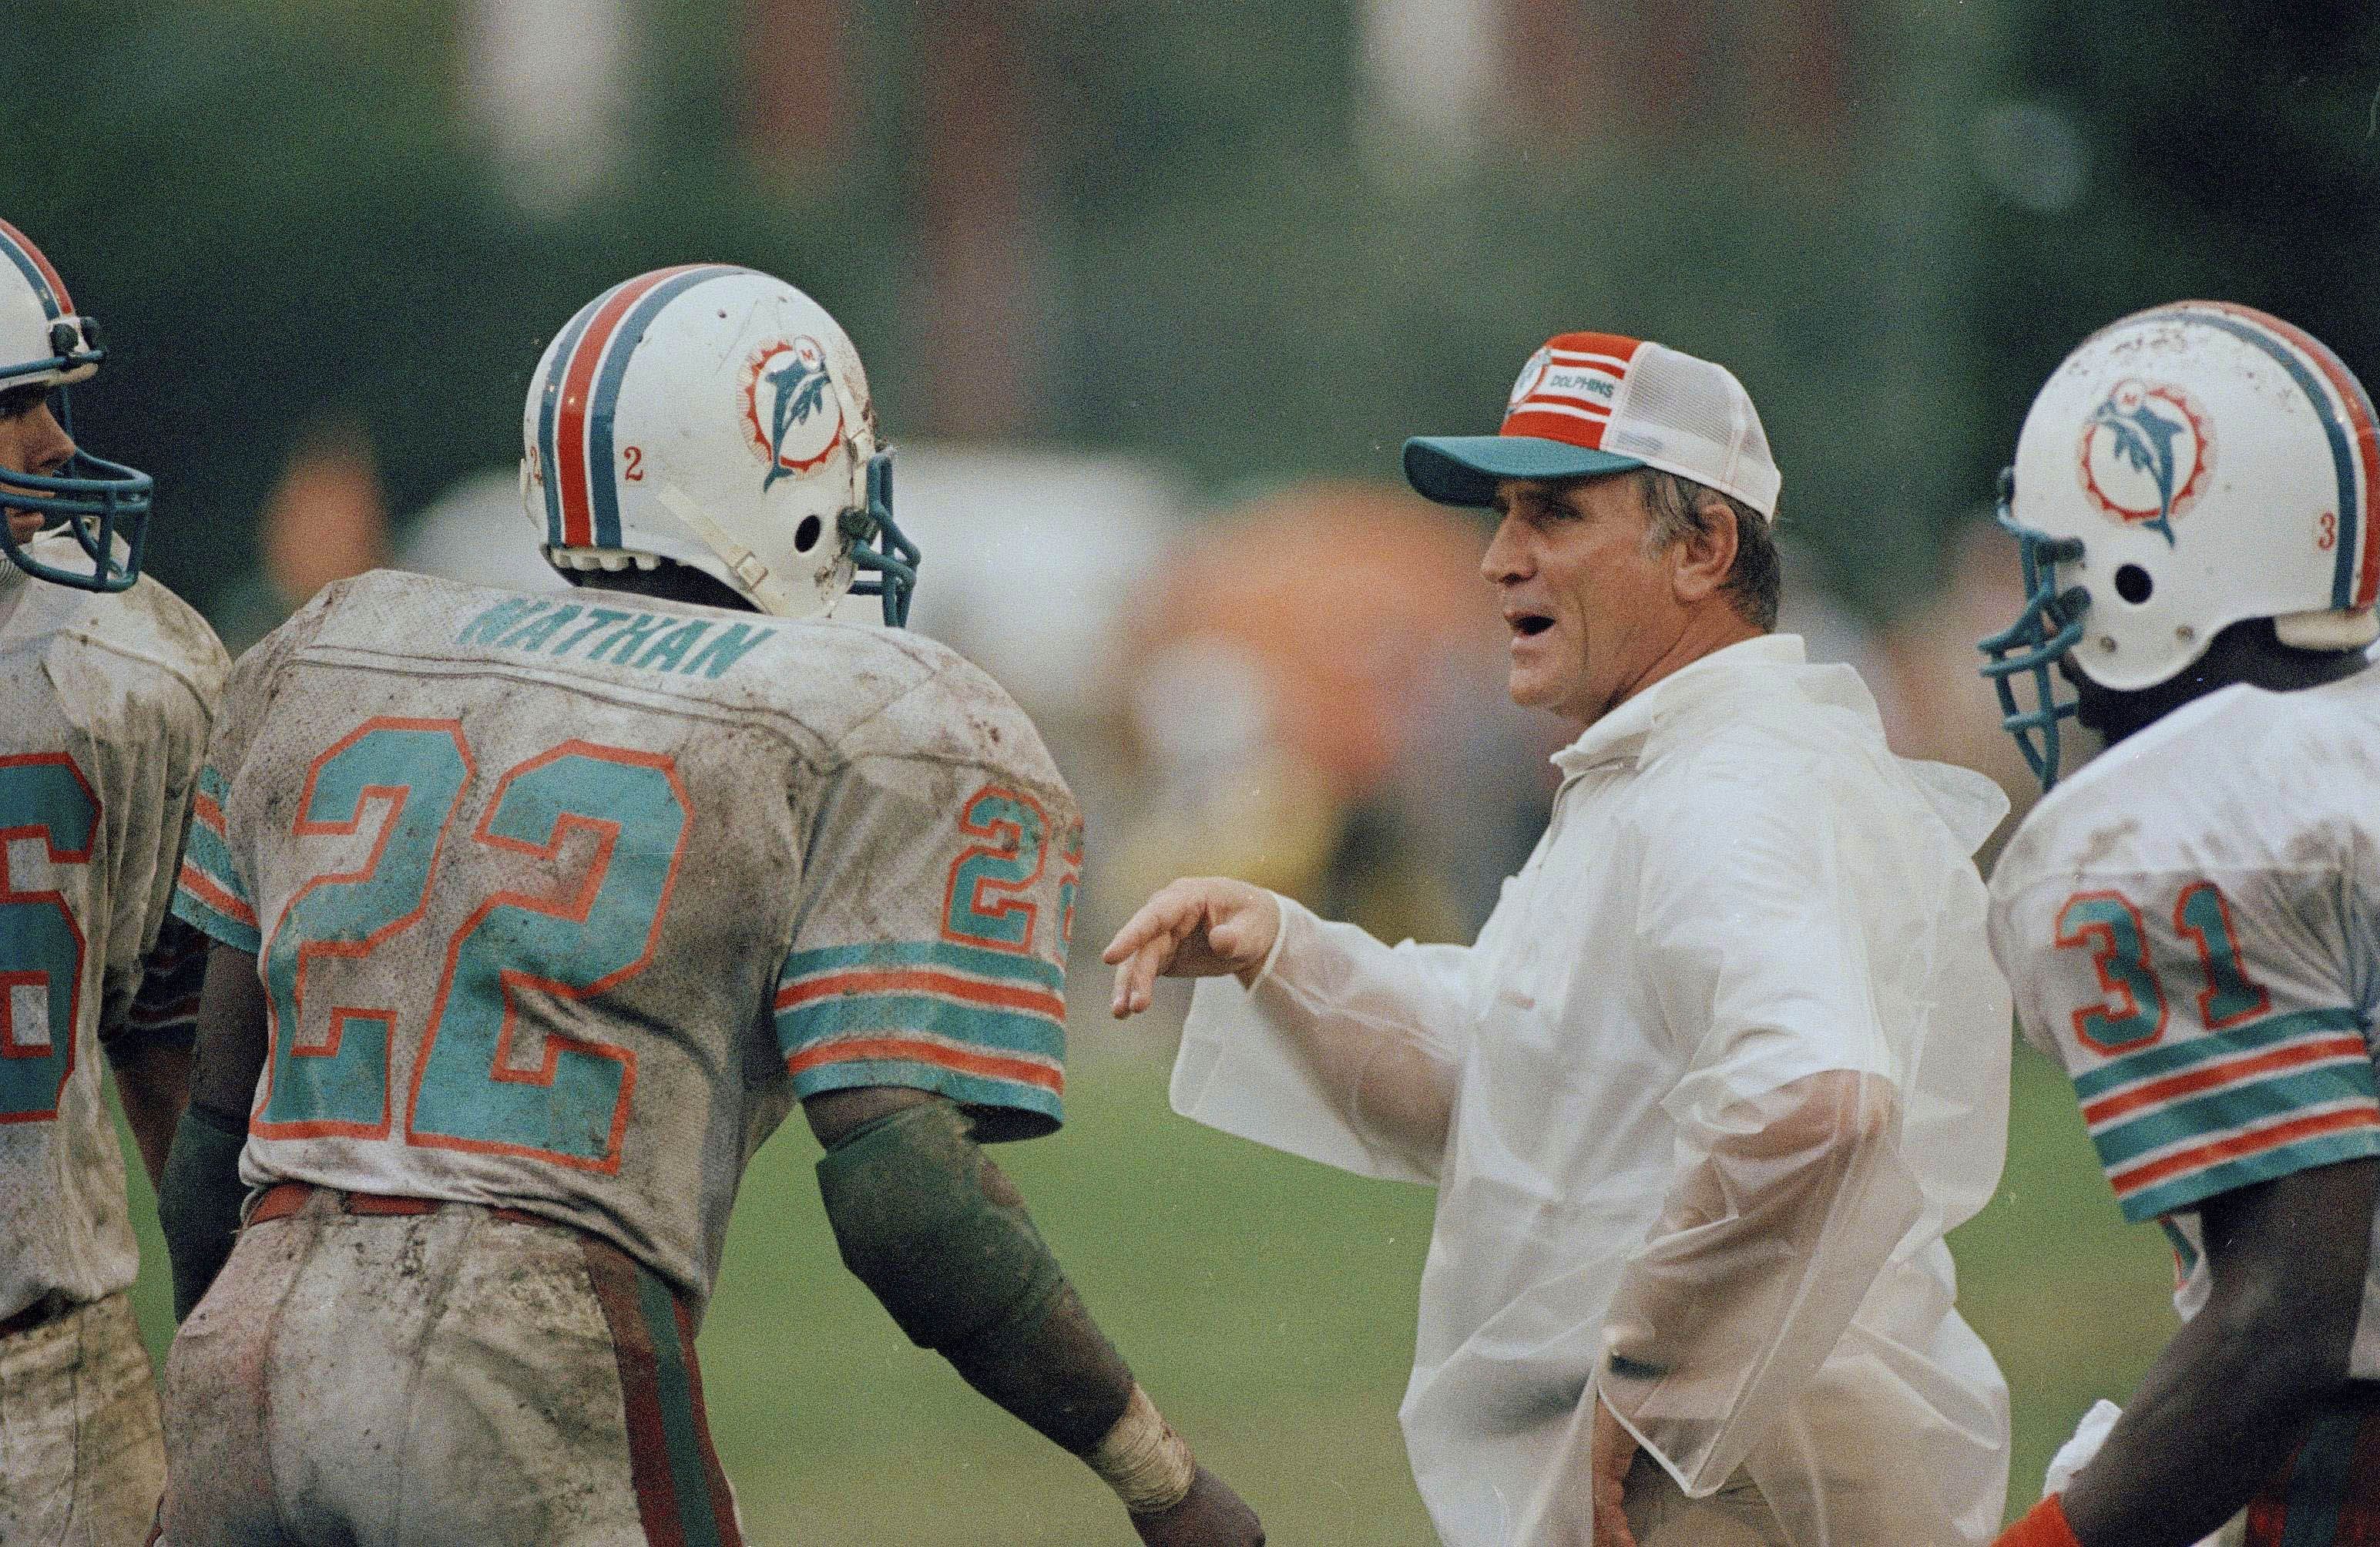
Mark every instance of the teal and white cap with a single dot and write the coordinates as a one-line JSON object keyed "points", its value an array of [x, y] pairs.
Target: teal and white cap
{"points": [[1598, 403]]}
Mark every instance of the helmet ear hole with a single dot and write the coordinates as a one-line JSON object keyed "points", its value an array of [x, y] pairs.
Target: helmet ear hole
{"points": [[2132, 584], [806, 535]]}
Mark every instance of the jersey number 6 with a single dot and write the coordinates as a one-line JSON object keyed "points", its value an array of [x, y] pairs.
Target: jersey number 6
{"points": [[329, 1072], [43, 798]]}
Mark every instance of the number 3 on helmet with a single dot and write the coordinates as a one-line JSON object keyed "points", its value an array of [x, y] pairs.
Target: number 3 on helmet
{"points": [[2186, 468], [714, 416], [43, 342]]}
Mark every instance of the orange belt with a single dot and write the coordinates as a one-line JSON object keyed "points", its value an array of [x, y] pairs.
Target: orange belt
{"points": [[284, 1199]]}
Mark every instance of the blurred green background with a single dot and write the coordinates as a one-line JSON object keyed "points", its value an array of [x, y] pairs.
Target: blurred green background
{"points": [[1131, 276]]}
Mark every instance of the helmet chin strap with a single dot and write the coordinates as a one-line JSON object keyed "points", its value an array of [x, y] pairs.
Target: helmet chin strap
{"points": [[2329, 629], [759, 583]]}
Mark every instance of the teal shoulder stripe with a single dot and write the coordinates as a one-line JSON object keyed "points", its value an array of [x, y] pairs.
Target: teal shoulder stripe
{"points": [[211, 784], [927, 953], [995, 1031], [2168, 1058], [2208, 1116], [230, 931], [1038, 1104], [201, 847], [2195, 1187]]}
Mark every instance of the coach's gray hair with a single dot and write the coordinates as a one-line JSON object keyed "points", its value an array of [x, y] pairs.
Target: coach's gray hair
{"points": [[1676, 506]]}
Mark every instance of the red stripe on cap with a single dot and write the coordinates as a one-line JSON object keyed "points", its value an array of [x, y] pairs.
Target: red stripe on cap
{"points": [[41, 261], [570, 421], [2358, 417], [1566, 416]]}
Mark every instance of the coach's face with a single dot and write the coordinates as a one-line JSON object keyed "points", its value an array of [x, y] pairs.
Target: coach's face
{"points": [[1592, 614], [32, 441]]}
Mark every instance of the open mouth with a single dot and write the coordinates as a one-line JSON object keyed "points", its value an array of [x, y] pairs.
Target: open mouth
{"points": [[1528, 625]]}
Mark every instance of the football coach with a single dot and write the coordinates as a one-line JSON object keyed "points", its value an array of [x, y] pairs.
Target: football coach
{"points": [[1727, 1061]]}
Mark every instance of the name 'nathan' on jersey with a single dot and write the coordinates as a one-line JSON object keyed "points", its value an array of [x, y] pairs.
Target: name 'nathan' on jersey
{"points": [[106, 703], [2192, 927], [561, 902]]}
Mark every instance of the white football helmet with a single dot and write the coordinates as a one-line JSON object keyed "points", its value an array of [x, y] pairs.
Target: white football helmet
{"points": [[2187, 468], [716, 418], [44, 343]]}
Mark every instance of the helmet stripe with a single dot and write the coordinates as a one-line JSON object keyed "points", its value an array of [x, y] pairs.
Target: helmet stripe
{"points": [[37, 271], [630, 333], [2358, 572], [578, 383], [549, 404], [2246, 324]]}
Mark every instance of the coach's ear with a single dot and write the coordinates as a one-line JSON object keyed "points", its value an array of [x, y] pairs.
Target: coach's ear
{"points": [[1702, 558]]}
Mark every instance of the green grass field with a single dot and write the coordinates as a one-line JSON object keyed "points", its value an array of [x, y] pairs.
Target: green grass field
{"points": [[1267, 1304]]}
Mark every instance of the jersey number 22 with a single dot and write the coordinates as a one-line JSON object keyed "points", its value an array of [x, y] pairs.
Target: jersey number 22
{"points": [[330, 1074]]}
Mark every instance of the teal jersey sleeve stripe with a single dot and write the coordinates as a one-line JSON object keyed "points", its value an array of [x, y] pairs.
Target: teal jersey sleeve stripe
{"points": [[2171, 1058], [2195, 1187], [1044, 1106], [208, 852], [1012, 966], [211, 784], [2209, 1116], [993, 1030], [199, 915]]}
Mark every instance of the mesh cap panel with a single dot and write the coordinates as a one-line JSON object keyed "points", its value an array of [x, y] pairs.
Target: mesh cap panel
{"points": [[1689, 416]]}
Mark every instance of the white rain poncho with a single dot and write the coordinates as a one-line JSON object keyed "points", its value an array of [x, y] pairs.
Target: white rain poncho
{"points": [[1726, 1063]]}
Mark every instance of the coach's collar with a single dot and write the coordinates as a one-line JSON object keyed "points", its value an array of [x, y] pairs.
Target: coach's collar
{"points": [[1621, 735]]}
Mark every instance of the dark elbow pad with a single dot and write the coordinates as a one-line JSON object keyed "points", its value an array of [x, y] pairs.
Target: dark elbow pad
{"points": [[199, 1199], [949, 1251]]}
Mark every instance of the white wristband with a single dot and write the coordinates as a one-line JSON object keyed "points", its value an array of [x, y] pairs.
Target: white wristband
{"points": [[1143, 1460]]}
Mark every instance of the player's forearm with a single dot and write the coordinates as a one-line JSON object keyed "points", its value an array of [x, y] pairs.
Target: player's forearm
{"points": [[939, 1235], [2218, 1413], [152, 1084]]}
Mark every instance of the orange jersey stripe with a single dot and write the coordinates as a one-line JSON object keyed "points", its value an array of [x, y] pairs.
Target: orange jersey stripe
{"points": [[2239, 1145], [922, 980], [909, 1050], [2188, 1082], [202, 887]]}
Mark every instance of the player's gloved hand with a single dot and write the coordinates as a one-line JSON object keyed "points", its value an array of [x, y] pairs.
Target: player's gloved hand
{"points": [[1203, 926], [1210, 1514]]}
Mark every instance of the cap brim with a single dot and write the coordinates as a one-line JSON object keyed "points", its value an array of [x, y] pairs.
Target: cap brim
{"points": [[1464, 469]]}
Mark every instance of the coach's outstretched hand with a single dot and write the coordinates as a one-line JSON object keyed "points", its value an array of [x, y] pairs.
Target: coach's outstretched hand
{"points": [[1203, 926], [1210, 1514]]}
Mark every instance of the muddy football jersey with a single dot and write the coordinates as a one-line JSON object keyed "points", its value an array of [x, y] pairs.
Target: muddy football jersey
{"points": [[562, 901], [105, 706], [2191, 926]]}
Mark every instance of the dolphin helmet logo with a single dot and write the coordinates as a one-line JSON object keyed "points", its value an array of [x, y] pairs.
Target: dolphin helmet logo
{"points": [[803, 424], [2145, 454]]}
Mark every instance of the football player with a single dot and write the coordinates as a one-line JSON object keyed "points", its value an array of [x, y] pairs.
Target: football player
{"points": [[107, 688], [2192, 922], [535, 915]]}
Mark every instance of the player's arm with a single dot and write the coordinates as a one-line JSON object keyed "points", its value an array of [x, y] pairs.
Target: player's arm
{"points": [[1370, 1024], [939, 1235], [2229, 1397], [199, 1190], [149, 1045]]}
